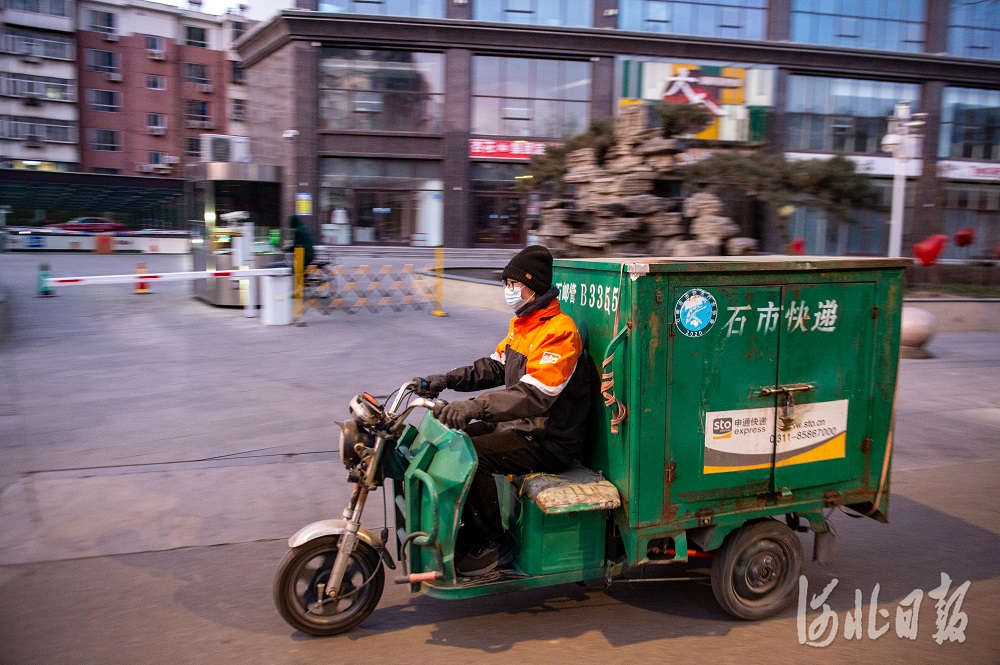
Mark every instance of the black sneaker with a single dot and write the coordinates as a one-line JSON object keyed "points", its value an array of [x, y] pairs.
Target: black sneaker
{"points": [[479, 561]]}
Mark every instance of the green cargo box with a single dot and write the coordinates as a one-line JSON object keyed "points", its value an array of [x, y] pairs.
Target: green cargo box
{"points": [[754, 387]]}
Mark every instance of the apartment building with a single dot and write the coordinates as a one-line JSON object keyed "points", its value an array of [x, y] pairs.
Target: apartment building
{"points": [[39, 123], [153, 79]]}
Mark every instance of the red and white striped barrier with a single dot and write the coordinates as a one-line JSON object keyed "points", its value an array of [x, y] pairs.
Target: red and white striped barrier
{"points": [[166, 276]]}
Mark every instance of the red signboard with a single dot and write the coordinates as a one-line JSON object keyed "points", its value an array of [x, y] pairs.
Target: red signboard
{"points": [[500, 149]]}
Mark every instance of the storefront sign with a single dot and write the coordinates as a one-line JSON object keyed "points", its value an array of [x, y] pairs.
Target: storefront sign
{"points": [[303, 204], [494, 149], [989, 171], [872, 165]]}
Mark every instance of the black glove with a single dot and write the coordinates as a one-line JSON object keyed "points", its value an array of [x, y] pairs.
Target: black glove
{"points": [[457, 415], [431, 386]]}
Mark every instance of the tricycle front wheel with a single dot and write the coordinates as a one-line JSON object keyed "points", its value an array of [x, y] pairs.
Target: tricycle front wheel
{"points": [[302, 578], [756, 571]]}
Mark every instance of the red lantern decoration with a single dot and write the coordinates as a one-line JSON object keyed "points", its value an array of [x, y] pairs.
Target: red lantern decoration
{"points": [[928, 249], [965, 237], [797, 247]]}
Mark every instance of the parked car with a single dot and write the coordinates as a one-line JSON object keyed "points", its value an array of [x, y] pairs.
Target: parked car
{"points": [[91, 224]]}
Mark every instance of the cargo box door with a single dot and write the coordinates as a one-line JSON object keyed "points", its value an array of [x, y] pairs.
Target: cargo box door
{"points": [[723, 342], [825, 360]]}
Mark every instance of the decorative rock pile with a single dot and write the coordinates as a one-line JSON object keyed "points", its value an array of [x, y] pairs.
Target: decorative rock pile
{"points": [[613, 211]]}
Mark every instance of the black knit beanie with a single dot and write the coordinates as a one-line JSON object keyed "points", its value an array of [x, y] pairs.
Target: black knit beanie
{"points": [[532, 266]]}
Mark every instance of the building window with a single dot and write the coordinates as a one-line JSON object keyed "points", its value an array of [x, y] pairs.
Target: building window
{"points": [[104, 100], [970, 124], [383, 198], [154, 43], [975, 206], [239, 75], [102, 61], [421, 8], [192, 146], [196, 73], [974, 29], [50, 7], [738, 19], [399, 91], [37, 87], [156, 120], [239, 28], [43, 45], [105, 140], [195, 36], [156, 82], [529, 98], [103, 22], [540, 12], [842, 115], [154, 157], [239, 109], [892, 25], [22, 128], [197, 113]]}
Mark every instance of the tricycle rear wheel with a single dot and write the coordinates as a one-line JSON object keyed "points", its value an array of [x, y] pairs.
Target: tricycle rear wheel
{"points": [[756, 571], [305, 568]]}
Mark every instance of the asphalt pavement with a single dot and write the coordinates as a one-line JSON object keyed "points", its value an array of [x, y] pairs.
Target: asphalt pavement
{"points": [[156, 452]]}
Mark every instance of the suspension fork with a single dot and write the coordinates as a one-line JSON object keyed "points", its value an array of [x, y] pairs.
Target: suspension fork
{"points": [[352, 514]]}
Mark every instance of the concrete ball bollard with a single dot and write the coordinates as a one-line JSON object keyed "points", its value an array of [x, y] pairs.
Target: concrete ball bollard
{"points": [[917, 329]]}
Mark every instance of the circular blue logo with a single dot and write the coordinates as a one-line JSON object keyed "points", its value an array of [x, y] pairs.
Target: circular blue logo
{"points": [[695, 312]]}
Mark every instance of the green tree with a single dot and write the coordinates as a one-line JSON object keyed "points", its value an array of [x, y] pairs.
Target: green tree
{"points": [[680, 119], [831, 184], [551, 167]]}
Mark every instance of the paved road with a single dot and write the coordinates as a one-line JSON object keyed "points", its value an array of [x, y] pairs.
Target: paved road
{"points": [[155, 453]]}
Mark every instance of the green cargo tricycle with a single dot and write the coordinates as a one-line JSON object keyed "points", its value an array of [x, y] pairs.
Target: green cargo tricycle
{"points": [[742, 398]]}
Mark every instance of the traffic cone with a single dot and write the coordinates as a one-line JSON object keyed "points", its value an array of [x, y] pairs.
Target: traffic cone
{"points": [[141, 285], [44, 274]]}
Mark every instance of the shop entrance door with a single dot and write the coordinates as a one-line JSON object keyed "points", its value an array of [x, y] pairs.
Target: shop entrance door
{"points": [[384, 217], [498, 219]]}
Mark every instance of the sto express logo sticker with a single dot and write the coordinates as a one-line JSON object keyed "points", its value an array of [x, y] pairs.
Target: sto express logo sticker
{"points": [[695, 312]]}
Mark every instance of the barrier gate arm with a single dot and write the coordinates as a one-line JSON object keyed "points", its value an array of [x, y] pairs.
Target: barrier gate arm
{"points": [[165, 276]]}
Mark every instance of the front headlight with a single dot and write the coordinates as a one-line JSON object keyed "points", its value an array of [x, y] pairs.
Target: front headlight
{"points": [[350, 435]]}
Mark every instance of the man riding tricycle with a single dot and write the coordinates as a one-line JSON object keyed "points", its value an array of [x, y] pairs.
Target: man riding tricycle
{"points": [[741, 399]]}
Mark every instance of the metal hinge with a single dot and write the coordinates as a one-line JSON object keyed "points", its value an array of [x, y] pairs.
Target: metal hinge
{"points": [[875, 312], [671, 471], [866, 445]]}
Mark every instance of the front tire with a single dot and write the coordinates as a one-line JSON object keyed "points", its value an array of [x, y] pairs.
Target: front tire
{"points": [[756, 572], [296, 589]]}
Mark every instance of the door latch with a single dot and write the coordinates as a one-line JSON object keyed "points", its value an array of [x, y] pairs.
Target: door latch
{"points": [[786, 418]]}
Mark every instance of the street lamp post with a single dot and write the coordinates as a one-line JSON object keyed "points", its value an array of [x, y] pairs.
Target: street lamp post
{"points": [[901, 141]]}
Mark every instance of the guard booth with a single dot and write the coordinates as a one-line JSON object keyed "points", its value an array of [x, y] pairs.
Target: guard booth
{"points": [[748, 387], [215, 189]]}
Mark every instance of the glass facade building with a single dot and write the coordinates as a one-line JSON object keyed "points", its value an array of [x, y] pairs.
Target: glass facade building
{"points": [[426, 113]]}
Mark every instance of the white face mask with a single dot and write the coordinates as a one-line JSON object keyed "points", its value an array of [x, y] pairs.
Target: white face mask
{"points": [[513, 297]]}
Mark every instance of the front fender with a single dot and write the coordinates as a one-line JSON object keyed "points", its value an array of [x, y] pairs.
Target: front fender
{"points": [[331, 528]]}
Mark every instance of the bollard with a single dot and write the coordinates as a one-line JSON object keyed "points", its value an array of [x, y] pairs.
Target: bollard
{"points": [[44, 289], [439, 283], [141, 285]]}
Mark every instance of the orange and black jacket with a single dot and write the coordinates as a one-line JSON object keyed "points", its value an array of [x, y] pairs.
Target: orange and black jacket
{"points": [[542, 366]]}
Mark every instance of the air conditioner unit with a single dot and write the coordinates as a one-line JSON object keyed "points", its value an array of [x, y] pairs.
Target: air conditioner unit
{"points": [[205, 87], [144, 168], [161, 168], [207, 124], [170, 159], [32, 99], [110, 36], [31, 58], [157, 131], [115, 76], [224, 148], [156, 54], [33, 141]]}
